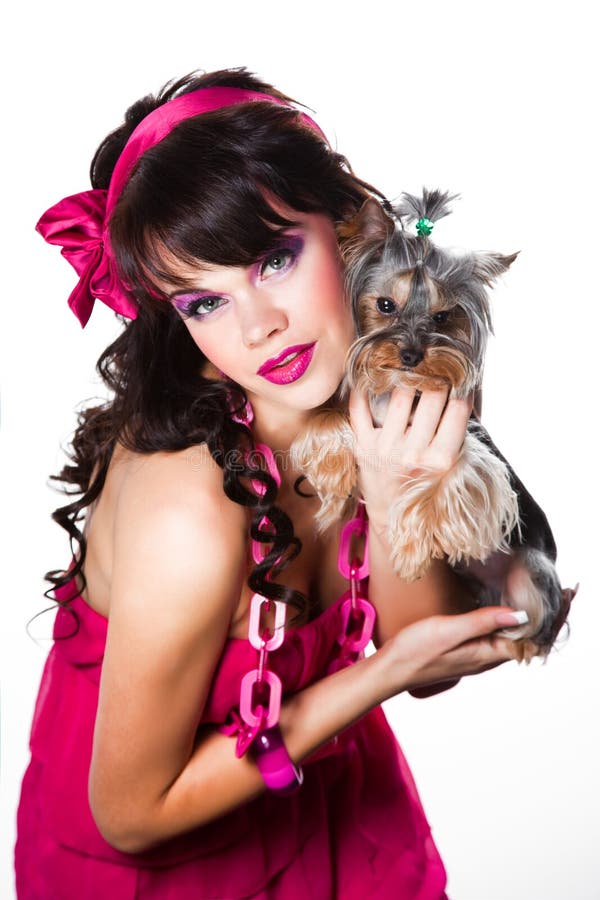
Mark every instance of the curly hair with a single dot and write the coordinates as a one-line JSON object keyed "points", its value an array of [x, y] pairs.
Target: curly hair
{"points": [[202, 194]]}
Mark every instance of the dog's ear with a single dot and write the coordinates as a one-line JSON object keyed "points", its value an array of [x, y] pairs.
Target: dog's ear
{"points": [[489, 266], [369, 226], [371, 222]]}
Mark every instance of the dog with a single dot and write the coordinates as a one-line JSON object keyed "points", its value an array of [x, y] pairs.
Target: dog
{"points": [[422, 318]]}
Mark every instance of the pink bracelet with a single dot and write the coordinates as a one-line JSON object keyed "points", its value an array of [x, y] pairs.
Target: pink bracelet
{"points": [[274, 764]]}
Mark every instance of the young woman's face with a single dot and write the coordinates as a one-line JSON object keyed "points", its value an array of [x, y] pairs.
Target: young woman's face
{"points": [[280, 328]]}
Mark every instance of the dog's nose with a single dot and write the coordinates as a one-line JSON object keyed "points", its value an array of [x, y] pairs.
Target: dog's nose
{"points": [[411, 358]]}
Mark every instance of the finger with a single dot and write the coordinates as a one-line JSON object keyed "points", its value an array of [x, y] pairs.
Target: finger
{"points": [[398, 414], [479, 655], [426, 419], [469, 658], [450, 435], [361, 420], [479, 623]]}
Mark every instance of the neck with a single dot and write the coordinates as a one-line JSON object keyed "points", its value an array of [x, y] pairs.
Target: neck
{"points": [[278, 428]]}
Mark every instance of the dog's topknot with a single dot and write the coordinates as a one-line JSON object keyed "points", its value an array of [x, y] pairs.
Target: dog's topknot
{"points": [[432, 205]]}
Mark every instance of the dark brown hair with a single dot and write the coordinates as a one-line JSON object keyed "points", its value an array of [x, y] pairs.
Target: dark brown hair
{"points": [[201, 193]]}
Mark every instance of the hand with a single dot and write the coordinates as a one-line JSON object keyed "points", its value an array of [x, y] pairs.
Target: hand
{"points": [[442, 649], [403, 447]]}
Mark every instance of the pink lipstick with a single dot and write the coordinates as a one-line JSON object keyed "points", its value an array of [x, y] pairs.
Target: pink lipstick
{"points": [[289, 365]]}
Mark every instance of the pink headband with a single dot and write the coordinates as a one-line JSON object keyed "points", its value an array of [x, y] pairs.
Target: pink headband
{"points": [[79, 224]]}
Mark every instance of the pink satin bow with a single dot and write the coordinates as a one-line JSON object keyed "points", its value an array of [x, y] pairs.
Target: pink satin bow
{"points": [[79, 224]]}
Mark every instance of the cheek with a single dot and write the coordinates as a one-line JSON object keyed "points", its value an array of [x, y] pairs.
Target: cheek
{"points": [[213, 347], [339, 312], [329, 288]]}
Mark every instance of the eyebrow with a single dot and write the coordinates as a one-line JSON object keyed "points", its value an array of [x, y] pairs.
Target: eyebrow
{"points": [[278, 238], [191, 290]]}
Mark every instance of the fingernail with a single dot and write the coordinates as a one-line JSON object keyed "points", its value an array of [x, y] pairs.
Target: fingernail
{"points": [[519, 617]]}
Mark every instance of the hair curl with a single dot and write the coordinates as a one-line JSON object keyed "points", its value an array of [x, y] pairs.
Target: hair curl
{"points": [[201, 193]]}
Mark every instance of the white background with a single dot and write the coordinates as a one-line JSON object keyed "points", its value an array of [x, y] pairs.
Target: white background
{"points": [[493, 100]]}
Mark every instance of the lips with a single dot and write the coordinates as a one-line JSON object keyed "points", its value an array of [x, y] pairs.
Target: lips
{"points": [[289, 365]]}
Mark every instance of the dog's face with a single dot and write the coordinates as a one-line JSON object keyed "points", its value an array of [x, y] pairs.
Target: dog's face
{"points": [[421, 313]]}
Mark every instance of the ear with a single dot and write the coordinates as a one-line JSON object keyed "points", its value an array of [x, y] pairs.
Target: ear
{"points": [[489, 266], [371, 222], [370, 225]]}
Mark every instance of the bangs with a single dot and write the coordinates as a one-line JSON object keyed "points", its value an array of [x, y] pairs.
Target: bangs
{"points": [[216, 189], [230, 224], [234, 233]]}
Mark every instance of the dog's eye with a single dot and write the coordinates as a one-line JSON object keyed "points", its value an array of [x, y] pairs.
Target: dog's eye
{"points": [[440, 317], [386, 306]]}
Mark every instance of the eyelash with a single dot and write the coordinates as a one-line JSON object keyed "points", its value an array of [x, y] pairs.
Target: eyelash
{"points": [[191, 310], [288, 252]]}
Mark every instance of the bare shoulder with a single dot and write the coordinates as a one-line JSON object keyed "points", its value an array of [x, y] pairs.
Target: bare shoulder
{"points": [[173, 477], [173, 521], [179, 560]]}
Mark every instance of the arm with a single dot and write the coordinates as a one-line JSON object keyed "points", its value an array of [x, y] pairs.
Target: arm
{"points": [[390, 454], [176, 582], [400, 603], [213, 782]]}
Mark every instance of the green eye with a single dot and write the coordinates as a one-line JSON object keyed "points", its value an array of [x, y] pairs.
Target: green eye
{"points": [[194, 307], [386, 306], [277, 261]]}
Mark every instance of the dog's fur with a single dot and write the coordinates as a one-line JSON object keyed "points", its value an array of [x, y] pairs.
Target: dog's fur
{"points": [[422, 319]]}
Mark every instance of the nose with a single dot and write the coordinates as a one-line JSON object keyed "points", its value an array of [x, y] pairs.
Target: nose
{"points": [[260, 319], [411, 357]]}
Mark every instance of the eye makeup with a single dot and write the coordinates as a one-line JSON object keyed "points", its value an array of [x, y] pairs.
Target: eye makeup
{"points": [[195, 305], [281, 257], [286, 250]]}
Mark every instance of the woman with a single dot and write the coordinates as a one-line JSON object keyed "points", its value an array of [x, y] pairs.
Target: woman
{"points": [[213, 228]]}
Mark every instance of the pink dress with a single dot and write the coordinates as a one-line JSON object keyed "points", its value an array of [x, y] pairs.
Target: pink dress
{"points": [[355, 829]]}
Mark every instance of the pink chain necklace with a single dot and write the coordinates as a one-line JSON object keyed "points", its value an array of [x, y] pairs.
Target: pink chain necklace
{"points": [[261, 689]]}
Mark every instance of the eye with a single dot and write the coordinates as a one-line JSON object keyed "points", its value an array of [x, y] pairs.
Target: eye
{"points": [[199, 307], [278, 261], [386, 306], [440, 317]]}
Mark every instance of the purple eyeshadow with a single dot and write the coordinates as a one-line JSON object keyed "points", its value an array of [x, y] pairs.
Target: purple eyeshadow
{"points": [[291, 242], [182, 301]]}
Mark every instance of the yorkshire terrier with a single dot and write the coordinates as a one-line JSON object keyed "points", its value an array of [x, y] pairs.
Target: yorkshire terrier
{"points": [[422, 319]]}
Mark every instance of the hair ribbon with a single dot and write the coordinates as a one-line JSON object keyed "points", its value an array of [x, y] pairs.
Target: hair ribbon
{"points": [[79, 223]]}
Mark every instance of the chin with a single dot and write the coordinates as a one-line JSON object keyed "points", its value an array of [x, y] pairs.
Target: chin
{"points": [[310, 392], [320, 393]]}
